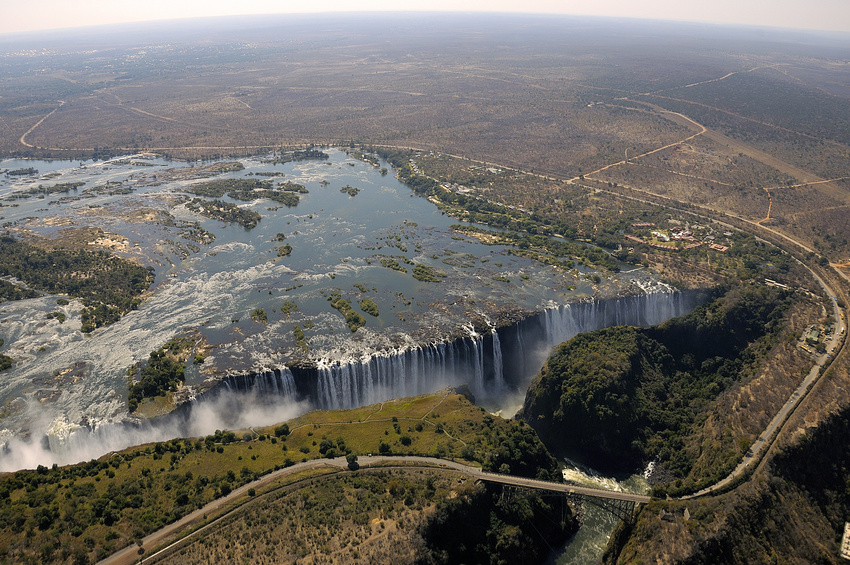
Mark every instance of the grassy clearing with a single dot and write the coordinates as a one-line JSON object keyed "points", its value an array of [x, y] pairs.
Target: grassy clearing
{"points": [[89, 510]]}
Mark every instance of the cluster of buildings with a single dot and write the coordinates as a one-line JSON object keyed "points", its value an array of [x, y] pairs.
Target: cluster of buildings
{"points": [[681, 234], [677, 234]]}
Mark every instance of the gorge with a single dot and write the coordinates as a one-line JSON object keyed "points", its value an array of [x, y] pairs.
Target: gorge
{"points": [[496, 366]]}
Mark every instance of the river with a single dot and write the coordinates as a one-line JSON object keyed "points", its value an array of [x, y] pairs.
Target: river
{"points": [[427, 335]]}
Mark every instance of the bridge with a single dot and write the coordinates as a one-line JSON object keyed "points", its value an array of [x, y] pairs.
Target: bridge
{"points": [[511, 480], [620, 504], [172, 536]]}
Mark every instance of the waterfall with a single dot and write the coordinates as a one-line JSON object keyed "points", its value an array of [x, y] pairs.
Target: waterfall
{"points": [[259, 399], [407, 372], [267, 384], [493, 365], [498, 369], [478, 363], [504, 360]]}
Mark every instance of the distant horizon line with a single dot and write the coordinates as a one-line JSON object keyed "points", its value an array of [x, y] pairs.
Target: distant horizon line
{"points": [[406, 14]]}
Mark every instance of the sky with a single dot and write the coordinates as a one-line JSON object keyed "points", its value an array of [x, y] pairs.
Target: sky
{"points": [[30, 15]]}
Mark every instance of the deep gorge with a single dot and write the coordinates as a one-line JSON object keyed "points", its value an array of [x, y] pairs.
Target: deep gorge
{"points": [[493, 364]]}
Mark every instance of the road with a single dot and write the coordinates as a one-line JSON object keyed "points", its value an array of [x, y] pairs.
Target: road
{"points": [[23, 139], [760, 447], [130, 553], [173, 532], [767, 437], [509, 479], [756, 453], [765, 440]]}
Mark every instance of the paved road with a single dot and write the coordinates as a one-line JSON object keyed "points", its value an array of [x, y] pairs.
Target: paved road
{"points": [[173, 531], [834, 347], [759, 448], [511, 480], [767, 437], [764, 441], [130, 553]]}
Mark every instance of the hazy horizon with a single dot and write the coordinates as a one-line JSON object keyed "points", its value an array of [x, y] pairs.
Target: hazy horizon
{"points": [[52, 15]]}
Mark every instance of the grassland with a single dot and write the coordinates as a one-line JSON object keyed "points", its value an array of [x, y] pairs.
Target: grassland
{"points": [[92, 509], [592, 132]]}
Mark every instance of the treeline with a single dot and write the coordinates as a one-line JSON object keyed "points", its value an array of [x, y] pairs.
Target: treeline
{"points": [[108, 286], [523, 229], [623, 396], [298, 155], [163, 372], [249, 189], [224, 211]]}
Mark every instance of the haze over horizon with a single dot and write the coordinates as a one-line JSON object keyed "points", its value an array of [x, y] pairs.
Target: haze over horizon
{"points": [[43, 15]]}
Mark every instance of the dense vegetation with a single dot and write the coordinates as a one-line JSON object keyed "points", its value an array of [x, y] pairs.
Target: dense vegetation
{"points": [[290, 186], [524, 230], [391, 263], [22, 172], [479, 525], [86, 511], [623, 396], [108, 286], [396, 516], [369, 306], [225, 211], [425, 273], [792, 512], [288, 307], [555, 251], [163, 372], [249, 189], [298, 155], [42, 191], [9, 291], [219, 187], [353, 319]]}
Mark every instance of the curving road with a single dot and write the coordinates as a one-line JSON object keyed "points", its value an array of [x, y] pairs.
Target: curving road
{"points": [[767, 437], [758, 450], [760, 447], [173, 532]]}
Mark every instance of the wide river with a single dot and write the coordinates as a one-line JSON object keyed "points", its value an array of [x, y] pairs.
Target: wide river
{"points": [[211, 275]]}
